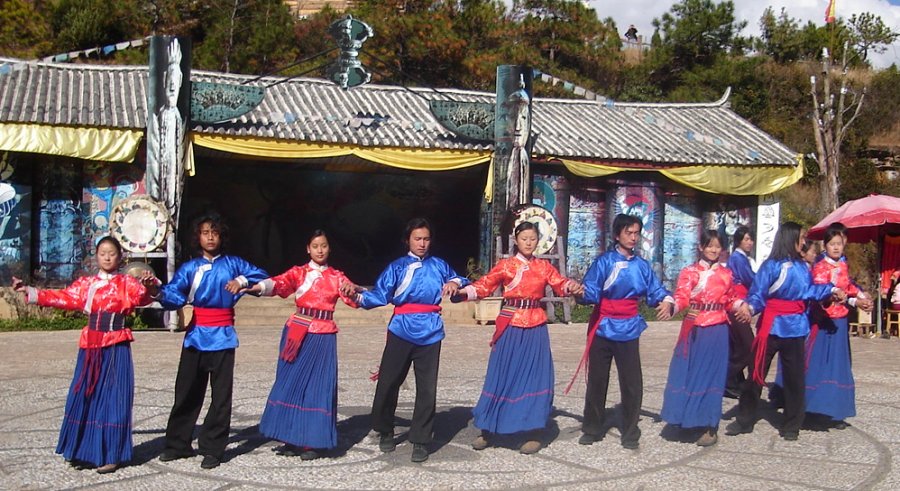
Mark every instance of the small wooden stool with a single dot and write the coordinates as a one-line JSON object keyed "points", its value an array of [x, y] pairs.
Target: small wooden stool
{"points": [[892, 322], [863, 327]]}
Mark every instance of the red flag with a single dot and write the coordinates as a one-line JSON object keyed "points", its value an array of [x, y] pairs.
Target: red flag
{"points": [[829, 12]]}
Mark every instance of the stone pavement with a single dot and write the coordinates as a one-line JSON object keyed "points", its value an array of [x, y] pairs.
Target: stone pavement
{"points": [[37, 368]]}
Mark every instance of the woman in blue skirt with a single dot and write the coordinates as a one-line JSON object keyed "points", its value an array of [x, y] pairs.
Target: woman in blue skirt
{"points": [[518, 388], [96, 428], [302, 407], [830, 390], [697, 373]]}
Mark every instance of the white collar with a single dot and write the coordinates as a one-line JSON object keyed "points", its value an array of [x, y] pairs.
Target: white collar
{"points": [[619, 248], [316, 266], [522, 258], [105, 276], [417, 258]]}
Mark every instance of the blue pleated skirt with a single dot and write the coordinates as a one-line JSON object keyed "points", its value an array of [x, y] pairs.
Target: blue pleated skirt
{"points": [[518, 387], [696, 382], [830, 389], [96, 428], [302, 406]]}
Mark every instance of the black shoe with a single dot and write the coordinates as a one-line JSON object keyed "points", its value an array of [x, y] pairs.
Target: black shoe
{"points": [[79, 465], [386, 442], [736, 428], [210, 462], [589, 439], [732, 394], [169, 455], [419, 453], [840, 425], [630, 444], [288, 450], [309, 454], [790, 436]]}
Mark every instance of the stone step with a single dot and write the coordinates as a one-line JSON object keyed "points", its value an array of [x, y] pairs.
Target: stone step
{"points": [[274, 311]]}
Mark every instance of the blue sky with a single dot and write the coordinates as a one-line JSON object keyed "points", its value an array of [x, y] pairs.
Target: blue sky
{"points": [[641, 14]]}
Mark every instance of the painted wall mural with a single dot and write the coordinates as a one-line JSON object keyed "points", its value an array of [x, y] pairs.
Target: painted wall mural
{"points": [[15, 217], [105, 184], [681, 235], [587, 226], [643, 201], [726, 215], [60, 221]]}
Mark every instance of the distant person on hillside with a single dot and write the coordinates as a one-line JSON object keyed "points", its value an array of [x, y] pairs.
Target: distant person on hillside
{"points": [[631, 34]]}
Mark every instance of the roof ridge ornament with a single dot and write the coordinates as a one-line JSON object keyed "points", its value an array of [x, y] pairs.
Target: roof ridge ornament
{"points": [[350, 34], [723, 101]]}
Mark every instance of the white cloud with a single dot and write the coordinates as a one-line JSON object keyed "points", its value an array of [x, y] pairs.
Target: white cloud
{"points": [[642, 12]]}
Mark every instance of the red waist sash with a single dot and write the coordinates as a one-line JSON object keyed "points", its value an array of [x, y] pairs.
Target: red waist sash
{"points": [[774, 308], [416, 308], [104, 329], [614, 308], [213, 317], [510, 306], [297, 326]]}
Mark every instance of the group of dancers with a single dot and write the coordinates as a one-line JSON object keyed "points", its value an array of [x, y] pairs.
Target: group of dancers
{"points": [[517, 395]]}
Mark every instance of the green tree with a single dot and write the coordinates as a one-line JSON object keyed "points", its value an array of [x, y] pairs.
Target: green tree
{"points": [[697, 31], [80, 24], [572, 41], [24, 29], [869, 33], [780, 38], [244, 36], [414, 42]]}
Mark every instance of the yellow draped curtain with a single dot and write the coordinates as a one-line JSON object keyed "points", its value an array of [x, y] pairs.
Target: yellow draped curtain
{"points": [[429, 159], [100, 144], [718, 179]]}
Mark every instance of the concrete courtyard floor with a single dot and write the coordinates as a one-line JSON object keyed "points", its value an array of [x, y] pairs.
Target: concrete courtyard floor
{"points": [[37, 369]]}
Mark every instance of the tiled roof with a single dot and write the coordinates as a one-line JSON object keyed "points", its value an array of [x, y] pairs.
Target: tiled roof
{"points": [[316, 110], [74, 95]]}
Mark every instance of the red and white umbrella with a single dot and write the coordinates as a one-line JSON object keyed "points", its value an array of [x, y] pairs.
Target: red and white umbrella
{"points": [[866, 218], [873, 218]]}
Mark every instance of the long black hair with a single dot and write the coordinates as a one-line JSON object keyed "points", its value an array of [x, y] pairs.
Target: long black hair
{"points": [[786, 240], [526, 225], [833, 230], [109, 239], [738, 236], [708, 236], [316, 233], [217, 223], [414, 224], [623, 221]]}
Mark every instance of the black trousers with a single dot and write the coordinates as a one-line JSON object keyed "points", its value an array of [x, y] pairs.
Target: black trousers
{"points": [[740, 337], [395, 361], [631, 383], [196, 369], [792, 352]]}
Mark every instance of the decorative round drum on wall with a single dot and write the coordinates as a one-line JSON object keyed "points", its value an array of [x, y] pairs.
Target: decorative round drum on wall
{"points": [[545, 222], [139, 223]]}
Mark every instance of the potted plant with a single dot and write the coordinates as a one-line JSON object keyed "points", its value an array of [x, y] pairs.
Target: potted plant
{"points": [[486, 309]]}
